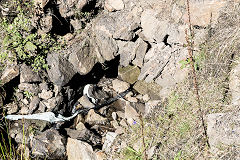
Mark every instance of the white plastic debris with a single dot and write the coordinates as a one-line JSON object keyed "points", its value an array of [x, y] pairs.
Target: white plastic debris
{"points": [[46, 116], [88, 89]]}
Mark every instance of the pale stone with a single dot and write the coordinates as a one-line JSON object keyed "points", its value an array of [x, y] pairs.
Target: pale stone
{"points": [[78, 150], [110, 137], [204, 13], [9, 73], [223, 129], [120, 86], [114, 5], [93, 118]]}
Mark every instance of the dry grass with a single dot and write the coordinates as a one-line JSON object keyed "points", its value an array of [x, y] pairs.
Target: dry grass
{"points": [[175, 127]]}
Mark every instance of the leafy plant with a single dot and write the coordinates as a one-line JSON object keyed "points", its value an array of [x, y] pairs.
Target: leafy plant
{"points": [[27, 94], [132, 154], [22, 45]]}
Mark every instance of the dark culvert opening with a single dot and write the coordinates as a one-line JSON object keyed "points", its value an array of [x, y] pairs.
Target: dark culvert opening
{"points": [[108, 70], [74, 89]]}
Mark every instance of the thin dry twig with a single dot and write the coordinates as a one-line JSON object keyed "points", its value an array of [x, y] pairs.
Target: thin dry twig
{"points": [[190, 45]]}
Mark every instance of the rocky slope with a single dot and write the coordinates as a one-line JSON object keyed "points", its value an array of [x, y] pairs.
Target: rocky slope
{"points": [[134, 55]]}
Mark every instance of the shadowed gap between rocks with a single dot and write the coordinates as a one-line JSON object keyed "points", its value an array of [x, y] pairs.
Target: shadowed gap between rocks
{"points": [[74, 88], [61, 25], [10, 89]]}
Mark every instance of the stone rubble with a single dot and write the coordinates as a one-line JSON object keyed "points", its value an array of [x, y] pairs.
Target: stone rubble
{"points": [[147, 38]]}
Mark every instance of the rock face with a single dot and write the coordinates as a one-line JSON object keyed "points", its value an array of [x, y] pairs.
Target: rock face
{"points": [[48, 144], [234, 85], [82, 56], [78, 150], [205, 12], [114, 5], [27, 75], [61, 70], [223, 129], [70, 7], [10, 72]]}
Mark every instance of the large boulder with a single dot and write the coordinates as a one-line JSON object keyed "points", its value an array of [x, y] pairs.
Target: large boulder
{"points": [[60, 69], [223, 130], [9, 73], [68, 8], [119, 25], [27, 75], [49, 144], [78, 150], [83, 56], [106, 47], [204, 13]]}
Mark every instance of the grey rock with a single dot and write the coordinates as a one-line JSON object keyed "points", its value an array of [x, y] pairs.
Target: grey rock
{"points": [[11, 108], [42, 107], [9, 73], [106, 46], [119, 130], [53, 103], [84, 101], [93, 118], [120, 114], [119, 25], [82, 56], [25, 101], [45, 94], [84, 135], [223, 129], [119, 105], [78, 150], [77, 25], [153, 68], [130, 112], [123, 123], [234, 85], [114, 5], [41, 3], [140, 51], [120, 86], [146, 98], [129, 74], [68, 8], [43, 86], [154, 29], [34, 104], [110, 137], [151, 105], [126, 52], [32, 88], [172, 73], [27, 75], [16, 130], [151, 152], [48, 144], [46, 23], [60, 70], [24, 110], [152, 89]]}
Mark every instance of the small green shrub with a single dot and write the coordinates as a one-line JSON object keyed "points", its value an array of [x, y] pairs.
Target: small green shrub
{"points": [[22, 45]]}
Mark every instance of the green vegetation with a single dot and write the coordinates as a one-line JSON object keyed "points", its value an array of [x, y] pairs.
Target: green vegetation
{"points": [[21, 44]]}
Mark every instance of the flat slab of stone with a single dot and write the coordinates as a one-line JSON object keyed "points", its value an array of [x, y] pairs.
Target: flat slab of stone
{"points": [[129, 74], [152, 89], [78, 150], [223, 129]]}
